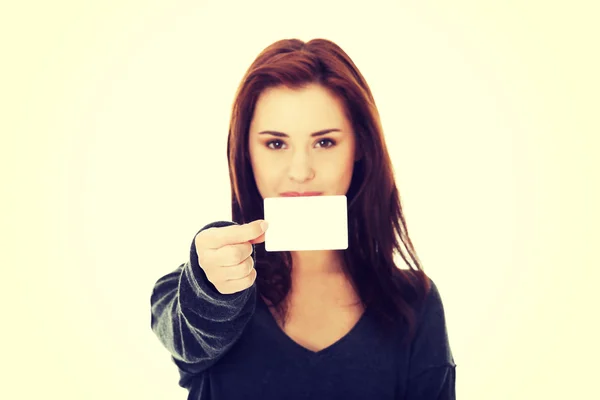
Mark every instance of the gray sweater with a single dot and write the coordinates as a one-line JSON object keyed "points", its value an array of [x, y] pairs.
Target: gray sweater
{"points": [[229, 346]]}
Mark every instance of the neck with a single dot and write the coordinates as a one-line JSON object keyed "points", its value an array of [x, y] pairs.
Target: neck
{"points": [[313, 263], [320, 276]]}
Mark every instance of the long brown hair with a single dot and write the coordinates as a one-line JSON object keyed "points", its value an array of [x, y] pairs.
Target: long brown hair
{"points": [[377, 227]]}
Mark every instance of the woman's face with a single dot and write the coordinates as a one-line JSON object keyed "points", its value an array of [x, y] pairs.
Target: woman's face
{"points": [[287, 152]]}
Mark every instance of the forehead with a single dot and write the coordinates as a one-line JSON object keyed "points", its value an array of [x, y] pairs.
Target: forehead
{"points": [[311, 108]]}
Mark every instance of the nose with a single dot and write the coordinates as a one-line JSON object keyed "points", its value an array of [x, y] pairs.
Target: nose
{"points": [[300, 169]]}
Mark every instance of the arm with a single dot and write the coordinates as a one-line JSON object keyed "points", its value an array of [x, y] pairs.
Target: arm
{"points": [[195, 322], [432, 372]]}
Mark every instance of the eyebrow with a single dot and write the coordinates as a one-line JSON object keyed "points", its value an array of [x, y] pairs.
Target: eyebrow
{"points": [[314, 134]]}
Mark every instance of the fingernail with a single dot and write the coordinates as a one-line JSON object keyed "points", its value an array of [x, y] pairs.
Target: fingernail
{"points": [[264, 225]]}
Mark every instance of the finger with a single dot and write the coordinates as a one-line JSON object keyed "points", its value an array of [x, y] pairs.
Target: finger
{"points": [[239, 271], [226, 256], [215, 238], [233, 254], [220, 275], [238, 285], [259, 239]]}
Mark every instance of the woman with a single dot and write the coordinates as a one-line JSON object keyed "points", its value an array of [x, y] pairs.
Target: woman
{"points": [[241, 323]]}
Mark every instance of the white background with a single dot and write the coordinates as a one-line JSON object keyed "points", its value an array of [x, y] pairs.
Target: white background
{"points": [[114, 123]]}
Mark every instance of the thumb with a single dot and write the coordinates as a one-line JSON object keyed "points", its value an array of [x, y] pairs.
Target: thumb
{"points": [[264, 226]]}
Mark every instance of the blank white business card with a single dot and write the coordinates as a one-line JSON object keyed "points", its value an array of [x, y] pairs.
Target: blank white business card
{"points": [[306, 223]]}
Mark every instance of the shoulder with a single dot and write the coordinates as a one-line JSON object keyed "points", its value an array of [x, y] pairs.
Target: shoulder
{"points": [[433, 299], [431, 346], [431, 366], [430, 313], [425, 295]]}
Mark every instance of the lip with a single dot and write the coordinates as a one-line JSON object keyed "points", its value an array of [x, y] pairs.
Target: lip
{"points": [[297, 194]]}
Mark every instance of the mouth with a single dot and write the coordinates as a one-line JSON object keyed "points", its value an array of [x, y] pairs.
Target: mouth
{"points": [[297, 194]]}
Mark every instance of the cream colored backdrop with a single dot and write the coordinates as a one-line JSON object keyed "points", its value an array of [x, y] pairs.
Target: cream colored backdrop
{"points": [[114, 121]]}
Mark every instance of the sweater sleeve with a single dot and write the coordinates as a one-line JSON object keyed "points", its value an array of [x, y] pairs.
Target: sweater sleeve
{"points": [[193, 320], [432, 368]]}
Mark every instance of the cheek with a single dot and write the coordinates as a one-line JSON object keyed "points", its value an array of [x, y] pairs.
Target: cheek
{"points": [[347, 170], [255, 159], [336, 174], [345, 165], [264, 172]]}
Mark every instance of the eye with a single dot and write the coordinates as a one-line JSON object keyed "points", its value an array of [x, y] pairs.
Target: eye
{"points": [[278, 144], [274, 141], [332, 143]]}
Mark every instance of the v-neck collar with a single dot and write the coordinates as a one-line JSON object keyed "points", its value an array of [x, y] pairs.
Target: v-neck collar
{"points": [[298, 348]]}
